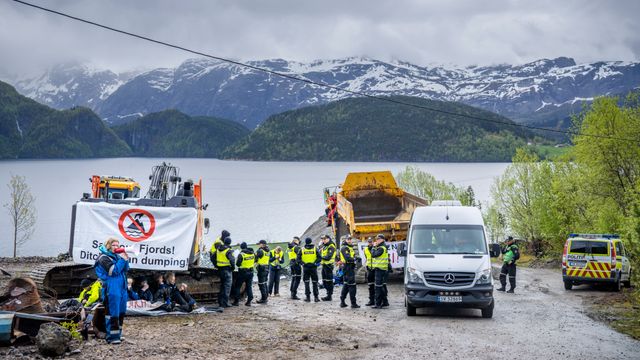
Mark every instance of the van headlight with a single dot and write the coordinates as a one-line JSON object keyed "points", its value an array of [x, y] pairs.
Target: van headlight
{"points": [[414, 276], [484, 277]]}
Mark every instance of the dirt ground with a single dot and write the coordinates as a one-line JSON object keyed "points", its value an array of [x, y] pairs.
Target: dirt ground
{"points": [[540, 321]]}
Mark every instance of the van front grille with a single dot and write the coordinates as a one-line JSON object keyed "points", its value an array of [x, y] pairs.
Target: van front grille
{"points": [[451, 279]]}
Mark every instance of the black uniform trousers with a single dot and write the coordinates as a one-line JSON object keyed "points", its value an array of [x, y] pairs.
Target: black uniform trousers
{"points": [[327, 278], [263, 276], [371, 282], [274, 280], [296, 275], [381, 287], [349, 285], [243, 276], [510, 270], [310, 274]]}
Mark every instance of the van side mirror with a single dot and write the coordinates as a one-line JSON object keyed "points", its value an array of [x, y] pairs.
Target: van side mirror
{"points": [[402, 249], [495, 250]]}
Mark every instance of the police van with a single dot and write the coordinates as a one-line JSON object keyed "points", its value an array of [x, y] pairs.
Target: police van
{"points": [[447, 260], [595, 258]]}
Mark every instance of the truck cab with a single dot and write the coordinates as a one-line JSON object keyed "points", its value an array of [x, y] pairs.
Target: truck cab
{"points": [[447, 259]]}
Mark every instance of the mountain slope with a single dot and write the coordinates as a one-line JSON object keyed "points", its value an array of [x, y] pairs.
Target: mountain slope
{"points": [[31, 130], [171, 133], [542, 91], [363, 129]]}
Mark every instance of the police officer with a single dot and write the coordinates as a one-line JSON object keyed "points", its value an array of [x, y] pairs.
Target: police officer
{"points": [[262, 258], [380, 265], [225, 264], [309, 256], [509, 257], [111, 269], [348, 260], [295, 266], [216, 244], [328, 259], [245, 262], [276, 259], [371, 275]]}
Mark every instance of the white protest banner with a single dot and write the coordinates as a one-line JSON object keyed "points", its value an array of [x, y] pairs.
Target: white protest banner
{"points": [[397, 261], [160, 238]]}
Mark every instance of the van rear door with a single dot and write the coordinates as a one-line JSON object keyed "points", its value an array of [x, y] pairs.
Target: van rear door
{"points": [[589, 258]]}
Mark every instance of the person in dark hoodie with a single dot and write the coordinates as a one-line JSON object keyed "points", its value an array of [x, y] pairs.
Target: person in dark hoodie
{"points": [[224, 261], [262, 259], [245, 262], [295, 265], [310, 256], [144, 293]]}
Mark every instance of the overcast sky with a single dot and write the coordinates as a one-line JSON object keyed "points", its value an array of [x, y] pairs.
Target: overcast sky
{"points": [[419, 31]]}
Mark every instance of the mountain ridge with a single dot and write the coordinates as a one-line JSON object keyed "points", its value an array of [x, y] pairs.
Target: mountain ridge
{"points": [[534, 92]]}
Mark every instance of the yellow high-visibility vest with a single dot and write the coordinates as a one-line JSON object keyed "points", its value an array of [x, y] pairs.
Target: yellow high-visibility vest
{"points": [[381, 262]]}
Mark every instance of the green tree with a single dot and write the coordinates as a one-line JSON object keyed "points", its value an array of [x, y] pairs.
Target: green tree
{"points": [[22, 211], [426, 186]]}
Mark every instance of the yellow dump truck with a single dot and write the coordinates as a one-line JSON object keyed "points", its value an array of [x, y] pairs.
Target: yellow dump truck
{"points": [[370, 203]]}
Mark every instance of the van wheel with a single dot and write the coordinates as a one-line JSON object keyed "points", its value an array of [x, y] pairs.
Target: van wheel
{"points": [[568, 285], [411, 310], [487, 313], [617, 286]]}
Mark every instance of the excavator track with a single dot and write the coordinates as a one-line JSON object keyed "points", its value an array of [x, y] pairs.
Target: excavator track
{"points": [[62, 280]]}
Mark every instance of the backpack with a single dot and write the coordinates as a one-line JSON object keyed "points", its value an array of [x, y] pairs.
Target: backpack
{"points": [[516, 253]]}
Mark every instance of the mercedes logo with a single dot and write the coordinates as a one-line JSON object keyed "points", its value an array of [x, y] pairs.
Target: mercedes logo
{"points": [[449, 278]]}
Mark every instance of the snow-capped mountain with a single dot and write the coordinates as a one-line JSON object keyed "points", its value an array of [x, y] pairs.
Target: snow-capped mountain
{"points": [[72, 84], [541, 91]]}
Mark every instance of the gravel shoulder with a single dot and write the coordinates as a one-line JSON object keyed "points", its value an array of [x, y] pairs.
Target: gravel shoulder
{"points": [[541, 320]]}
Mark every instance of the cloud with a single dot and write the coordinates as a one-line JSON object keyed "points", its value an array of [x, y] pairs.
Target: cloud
{"points": [[422, 32]]}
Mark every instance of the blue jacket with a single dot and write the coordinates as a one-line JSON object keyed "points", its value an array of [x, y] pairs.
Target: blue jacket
{"points": [[112, 270]]}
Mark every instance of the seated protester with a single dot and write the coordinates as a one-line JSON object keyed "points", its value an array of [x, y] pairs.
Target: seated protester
{"points": [[91, 292], [163, 293], [131, 294], [184, 294], [178, 301], [145, 292]]}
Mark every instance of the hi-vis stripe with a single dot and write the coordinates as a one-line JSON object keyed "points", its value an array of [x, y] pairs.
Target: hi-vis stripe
{"points": [[593, 269]]}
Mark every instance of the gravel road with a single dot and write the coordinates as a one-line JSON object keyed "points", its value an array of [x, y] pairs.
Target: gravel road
{"points": [[540, 321]]}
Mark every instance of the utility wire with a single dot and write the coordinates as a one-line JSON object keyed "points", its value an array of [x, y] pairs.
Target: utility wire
{"points": [[317, 83]]}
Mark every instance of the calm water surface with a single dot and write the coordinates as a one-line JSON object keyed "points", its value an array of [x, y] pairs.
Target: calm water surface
{"points": [[253, 200]]}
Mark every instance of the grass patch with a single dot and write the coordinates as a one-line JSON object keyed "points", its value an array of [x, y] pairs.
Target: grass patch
{"points": [[620, 311], [550, 151]]}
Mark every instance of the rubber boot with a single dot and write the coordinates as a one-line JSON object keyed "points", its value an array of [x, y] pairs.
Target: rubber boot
{"points": [[343, 304]]}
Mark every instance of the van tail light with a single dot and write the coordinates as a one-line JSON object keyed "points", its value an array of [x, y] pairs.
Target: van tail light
{"points": [[614, 257], [564, 256]]}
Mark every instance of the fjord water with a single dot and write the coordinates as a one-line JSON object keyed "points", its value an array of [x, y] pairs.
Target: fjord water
{"points": [[253, 200]]}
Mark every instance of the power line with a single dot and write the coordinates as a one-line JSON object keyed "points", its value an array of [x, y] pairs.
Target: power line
{"points": [[316, 83]]}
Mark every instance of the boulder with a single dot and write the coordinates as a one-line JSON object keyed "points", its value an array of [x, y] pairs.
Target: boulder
{"points": [[52, 339]]}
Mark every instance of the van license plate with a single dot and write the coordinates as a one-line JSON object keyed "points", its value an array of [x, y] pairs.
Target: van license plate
{"points": [[579, 264], [449, 299]]}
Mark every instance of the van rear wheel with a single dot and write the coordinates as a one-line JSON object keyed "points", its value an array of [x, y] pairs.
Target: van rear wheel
{"points": [[568, 285], [617, 286]]}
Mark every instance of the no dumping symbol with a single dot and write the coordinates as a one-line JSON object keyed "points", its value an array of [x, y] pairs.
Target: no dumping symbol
{"points": [[136, 225]]}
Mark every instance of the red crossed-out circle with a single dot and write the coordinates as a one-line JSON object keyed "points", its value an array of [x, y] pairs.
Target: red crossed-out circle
{"points": [[144, 234]]}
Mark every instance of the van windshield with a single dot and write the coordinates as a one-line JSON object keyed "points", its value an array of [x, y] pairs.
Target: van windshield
{"points": [[449, 239]]}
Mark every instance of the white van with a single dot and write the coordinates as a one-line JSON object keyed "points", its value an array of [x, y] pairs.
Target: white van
{"points": [[448, 259]]}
